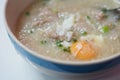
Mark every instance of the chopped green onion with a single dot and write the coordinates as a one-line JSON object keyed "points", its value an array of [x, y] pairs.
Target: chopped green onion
{"points": [[27, 13], [66, 49], [83, 33], [58, 43], [43, 42], [30, 31], [74, 40], [104, 10], [105, 29], [88, 17], [90, 20]]}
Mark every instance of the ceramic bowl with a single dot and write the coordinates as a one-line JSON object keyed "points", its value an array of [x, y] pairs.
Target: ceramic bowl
{"points": [[12, 11]]}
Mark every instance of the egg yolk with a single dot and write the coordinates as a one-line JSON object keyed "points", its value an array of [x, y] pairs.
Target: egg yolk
{"points": [[83, 50]]}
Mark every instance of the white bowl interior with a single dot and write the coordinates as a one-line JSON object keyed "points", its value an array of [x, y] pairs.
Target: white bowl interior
{"points": [[13, 10]]}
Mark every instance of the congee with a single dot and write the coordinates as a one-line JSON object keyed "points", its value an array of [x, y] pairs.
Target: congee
{"points": [[71, 30]]}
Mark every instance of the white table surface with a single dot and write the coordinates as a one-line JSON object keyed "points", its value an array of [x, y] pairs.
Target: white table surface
{"points": [[14, 67]]}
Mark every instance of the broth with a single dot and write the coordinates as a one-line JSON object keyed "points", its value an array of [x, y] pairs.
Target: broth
{"points": [[62, 29]]}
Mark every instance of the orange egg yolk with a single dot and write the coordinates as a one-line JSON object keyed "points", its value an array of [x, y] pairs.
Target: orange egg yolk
{"points": [[83, 50]]}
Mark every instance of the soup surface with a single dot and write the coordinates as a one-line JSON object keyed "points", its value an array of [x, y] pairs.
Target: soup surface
{"points": [[71, 30]]}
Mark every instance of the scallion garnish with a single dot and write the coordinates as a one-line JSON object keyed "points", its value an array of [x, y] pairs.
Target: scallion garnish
{"points": [[105, 29], [88, 17], [27, 13], [74, 40], [66, 49], [58, 43], [84, 33], [43, 42], [90, 20], [104, 10]]}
